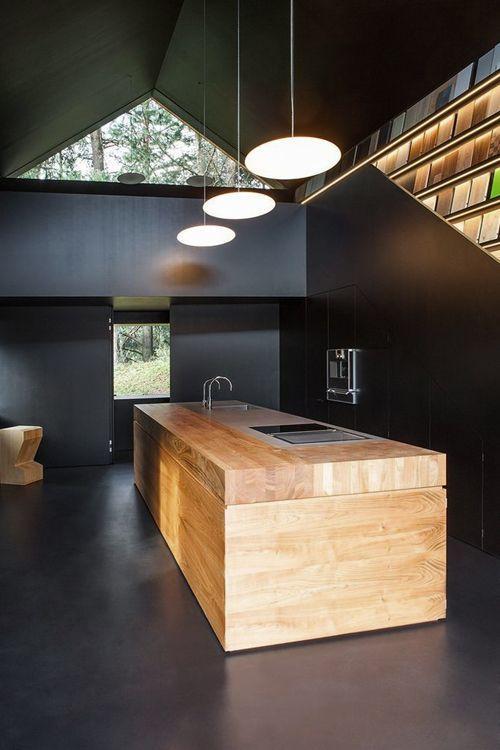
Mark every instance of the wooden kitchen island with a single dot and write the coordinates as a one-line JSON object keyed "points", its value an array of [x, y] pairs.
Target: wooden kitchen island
{"points": [[283, 543]]}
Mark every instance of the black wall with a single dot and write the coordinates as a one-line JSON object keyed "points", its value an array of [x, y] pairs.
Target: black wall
{"points": [[240, 341], [55, 371], [109, 245], [384, 275], [123, 424], [293, 356], [420, 301]]}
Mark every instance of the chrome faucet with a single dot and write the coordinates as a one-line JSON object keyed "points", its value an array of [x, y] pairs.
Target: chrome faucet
{"points": [[208, 403], [208, 380]]}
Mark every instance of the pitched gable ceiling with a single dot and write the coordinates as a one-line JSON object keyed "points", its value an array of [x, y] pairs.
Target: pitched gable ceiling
{"points": [[358, 62], [67, 65]]}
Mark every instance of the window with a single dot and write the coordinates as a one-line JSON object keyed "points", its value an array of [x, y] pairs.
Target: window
{"points": [[141, 359], [149, 140]]}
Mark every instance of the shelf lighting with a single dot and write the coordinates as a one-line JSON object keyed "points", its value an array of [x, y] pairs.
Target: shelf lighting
{"points": [[412, 132]]}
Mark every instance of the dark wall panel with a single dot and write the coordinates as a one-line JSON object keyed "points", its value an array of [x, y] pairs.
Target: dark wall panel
{"points": [[126, 246], [55, 371], [316, 346], [491, 496], [426, 320], [123, 423], [293, 356], [452, 433], [240, 341]]}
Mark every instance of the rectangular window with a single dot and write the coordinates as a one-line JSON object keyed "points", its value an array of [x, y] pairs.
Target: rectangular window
{"points": [[142, 359]]}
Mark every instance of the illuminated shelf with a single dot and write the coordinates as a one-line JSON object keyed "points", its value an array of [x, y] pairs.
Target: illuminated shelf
{"points": [[483, 228], [494, 245], [471, 211], [448, 146], [474, 81], [430, 134], [476, 171], [445, 151]]}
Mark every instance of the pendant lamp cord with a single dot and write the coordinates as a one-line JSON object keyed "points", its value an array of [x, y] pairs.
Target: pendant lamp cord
{"points": [[292, 71], [204, 104], [238, 98]]}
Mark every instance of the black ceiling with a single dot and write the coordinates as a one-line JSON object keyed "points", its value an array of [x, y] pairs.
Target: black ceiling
{"points": [[66, 65]]}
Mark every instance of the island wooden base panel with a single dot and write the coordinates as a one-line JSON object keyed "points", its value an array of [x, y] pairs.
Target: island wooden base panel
{"points": [[291, 570]]}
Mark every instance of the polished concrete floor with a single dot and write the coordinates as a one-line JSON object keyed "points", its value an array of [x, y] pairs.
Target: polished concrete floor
{"points": [[104, 647]]}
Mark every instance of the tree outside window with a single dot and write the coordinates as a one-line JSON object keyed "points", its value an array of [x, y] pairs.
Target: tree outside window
{"points": [[142, 360], [148, 139]]}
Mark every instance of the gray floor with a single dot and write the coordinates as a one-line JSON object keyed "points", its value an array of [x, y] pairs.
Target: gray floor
{"points": [[104, 646]]}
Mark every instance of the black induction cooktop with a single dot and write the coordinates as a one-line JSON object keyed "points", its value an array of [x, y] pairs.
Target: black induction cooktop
{"points": [[304, 427], [307, 432]]}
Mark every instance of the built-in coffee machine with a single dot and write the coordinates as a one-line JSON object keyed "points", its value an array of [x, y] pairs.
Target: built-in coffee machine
{"points": [[341, 375]]}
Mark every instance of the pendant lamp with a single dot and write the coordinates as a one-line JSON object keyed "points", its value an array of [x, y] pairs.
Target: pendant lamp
{"points": [[293, 157], [239, 204], [205, 235]]}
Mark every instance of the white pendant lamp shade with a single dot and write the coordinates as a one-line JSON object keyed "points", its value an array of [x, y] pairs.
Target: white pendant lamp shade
{"points": [[206, 235], [240, 204], [295, 157], [292, 158]]}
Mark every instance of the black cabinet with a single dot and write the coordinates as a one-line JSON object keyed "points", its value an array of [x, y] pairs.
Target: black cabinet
{"points": [[409, 406], [293, 356], [342, 318], [342, 335], [491, 501], [316, 346], [372, 367], [452, 434]]}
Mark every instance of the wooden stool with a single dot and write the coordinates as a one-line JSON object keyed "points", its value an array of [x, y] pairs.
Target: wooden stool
{"points": [[18, 446]]}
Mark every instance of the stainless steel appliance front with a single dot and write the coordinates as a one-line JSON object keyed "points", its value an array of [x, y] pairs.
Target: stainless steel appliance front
{"points": [[341, 375]]}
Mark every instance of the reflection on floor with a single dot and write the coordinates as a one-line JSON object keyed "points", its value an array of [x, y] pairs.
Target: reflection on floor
{"points": [[103, 646]]}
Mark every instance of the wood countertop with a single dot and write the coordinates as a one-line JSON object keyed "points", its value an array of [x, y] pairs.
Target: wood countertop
{"points": [[241, 466]]}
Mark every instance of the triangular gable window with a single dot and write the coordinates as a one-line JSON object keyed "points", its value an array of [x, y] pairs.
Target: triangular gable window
{"points": [[149, 140]]}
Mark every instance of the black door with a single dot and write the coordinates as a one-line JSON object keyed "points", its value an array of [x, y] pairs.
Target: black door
{"points": [[56, 365]]}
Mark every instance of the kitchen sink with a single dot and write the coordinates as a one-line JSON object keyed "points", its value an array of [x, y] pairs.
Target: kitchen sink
{"points": [[226, 405]]}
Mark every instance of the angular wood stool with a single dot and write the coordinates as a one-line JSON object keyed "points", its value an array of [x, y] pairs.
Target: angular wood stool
{"points": [[18, 446]]}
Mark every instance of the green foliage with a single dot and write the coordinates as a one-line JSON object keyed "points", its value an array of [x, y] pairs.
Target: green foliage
{"points": [[149, 140], [140, 343], [142, 378], [142, 360]]}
